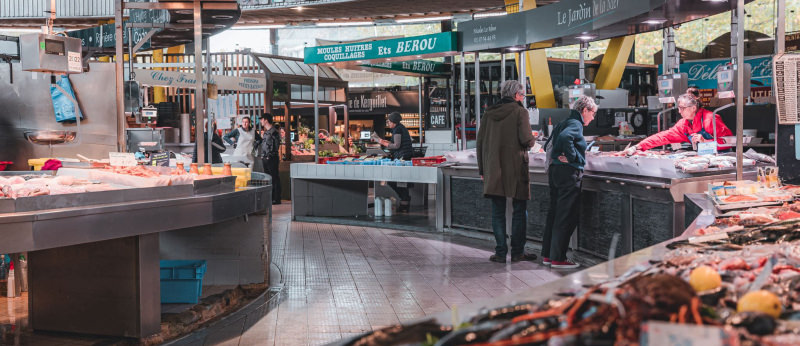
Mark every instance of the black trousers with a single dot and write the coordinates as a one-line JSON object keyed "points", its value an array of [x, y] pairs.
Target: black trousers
{"points": [[562, 217], [271, 167], [402, 192]]}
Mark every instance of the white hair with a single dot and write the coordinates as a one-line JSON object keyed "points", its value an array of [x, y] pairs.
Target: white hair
{"points": [[511, 88], [583, 102]]}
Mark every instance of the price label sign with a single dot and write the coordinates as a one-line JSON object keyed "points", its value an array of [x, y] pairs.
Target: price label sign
{"points": [[160, 159], [670, 334], [707, 148], [122, 159], [74, 62]]}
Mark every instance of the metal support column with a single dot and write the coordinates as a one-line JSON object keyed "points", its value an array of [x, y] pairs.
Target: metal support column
{"points": [[582, 61], [316, 113], [669, 55], [477, 92], [463, 86], [211, 117], [420, 112], [780, 27], [120, 78], [522, 72], [199, 104], [739, 84], [502, 68]]}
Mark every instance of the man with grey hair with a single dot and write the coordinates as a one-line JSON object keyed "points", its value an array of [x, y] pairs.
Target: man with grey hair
{"points": [[504, 138], [564, 177], [696, 125]]}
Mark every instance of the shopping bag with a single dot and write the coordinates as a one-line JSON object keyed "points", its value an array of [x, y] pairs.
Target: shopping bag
{"points": [[62, 105]]}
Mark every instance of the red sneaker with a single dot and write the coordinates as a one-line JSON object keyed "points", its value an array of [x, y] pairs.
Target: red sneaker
{"points": [[545, 261], [564, 264]]}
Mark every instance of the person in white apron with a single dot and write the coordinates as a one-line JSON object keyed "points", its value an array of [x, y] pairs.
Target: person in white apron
{"points": [[245, 137]]}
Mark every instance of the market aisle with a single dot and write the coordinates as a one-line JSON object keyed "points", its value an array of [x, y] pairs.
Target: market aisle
{"points": [[343, 280]]}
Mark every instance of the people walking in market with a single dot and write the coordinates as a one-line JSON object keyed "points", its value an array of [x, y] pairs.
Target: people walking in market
{"points": [[217, 146], [268, 150], [243, 139], [564, 175], [696, 125], [400, 147], [504, 139]]}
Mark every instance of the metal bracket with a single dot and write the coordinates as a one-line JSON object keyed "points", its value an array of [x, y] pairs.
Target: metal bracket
{"points": [[144, 39]]}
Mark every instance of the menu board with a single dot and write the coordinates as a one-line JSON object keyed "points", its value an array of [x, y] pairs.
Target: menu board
{"points": [[785, 68]]}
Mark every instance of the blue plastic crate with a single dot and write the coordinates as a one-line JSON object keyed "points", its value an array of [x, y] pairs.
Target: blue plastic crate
{"points": [[182, 280]]}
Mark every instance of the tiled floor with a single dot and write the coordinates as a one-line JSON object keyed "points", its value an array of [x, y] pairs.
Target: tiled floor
{"points": [[344, 280], [340, 281]]}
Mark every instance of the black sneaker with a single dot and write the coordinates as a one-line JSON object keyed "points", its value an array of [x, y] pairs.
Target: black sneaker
{"points": [[523, 257], [498, 259]]}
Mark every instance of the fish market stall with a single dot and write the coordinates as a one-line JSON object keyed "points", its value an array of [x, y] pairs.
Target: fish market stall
{"points": [[119, 222], [737, 287], [640, 197]]}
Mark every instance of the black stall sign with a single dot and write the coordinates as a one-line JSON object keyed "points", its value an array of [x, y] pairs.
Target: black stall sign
{"points": [[383, 102], [159, 159], [438, 120]]}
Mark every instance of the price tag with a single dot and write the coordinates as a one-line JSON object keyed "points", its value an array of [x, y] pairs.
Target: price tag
{"points": [[670, 334], [74, 62], [675, 146], [159, 159], [594, 149], [707, 148], [122, 159]]}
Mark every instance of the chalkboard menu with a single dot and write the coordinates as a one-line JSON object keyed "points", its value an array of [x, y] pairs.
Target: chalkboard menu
{"points": [[785, 69]]}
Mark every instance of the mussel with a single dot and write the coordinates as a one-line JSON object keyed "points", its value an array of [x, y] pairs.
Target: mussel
{"points": [[713, 296], [755, 323]]}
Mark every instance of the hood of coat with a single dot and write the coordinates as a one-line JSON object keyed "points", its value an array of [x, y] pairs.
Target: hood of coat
{"points": [[502, 109]]}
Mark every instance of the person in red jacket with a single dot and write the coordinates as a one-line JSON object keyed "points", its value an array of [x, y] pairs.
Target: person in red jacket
{"points": [[695, 126]]}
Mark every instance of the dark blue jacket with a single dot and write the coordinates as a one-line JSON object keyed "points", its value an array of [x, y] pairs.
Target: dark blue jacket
{"points": [[568, 141]]}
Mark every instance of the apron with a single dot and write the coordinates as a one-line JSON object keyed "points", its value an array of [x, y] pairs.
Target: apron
{"points": [[707, 136], [244, 146]]}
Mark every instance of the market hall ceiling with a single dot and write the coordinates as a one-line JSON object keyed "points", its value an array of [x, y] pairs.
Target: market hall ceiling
{"points": [[385, 11], [79, 14]]}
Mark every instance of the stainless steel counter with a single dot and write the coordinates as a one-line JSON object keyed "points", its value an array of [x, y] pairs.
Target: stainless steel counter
{"points": [[644, 209], [93, 267], [45, 229]]}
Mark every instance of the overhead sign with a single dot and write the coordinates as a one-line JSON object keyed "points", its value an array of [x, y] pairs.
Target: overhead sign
{"points": [[187, 80], [104, 35], [423, 67], [703, 73], [566, 18], [434, 44], [493, 32]]}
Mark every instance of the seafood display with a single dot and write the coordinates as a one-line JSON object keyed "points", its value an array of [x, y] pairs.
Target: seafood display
{"points": [[686, 161], [30, 186], [739, 276]]}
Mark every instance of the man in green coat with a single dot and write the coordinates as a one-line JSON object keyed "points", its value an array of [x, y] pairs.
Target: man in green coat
{"points": [[504, 138]]}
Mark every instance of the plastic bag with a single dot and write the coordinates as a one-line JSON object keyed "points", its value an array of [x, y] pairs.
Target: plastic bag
{"points": [[62, 105]]}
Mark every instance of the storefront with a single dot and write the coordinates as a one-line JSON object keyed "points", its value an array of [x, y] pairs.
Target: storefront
{"points": [[371, 187]]}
